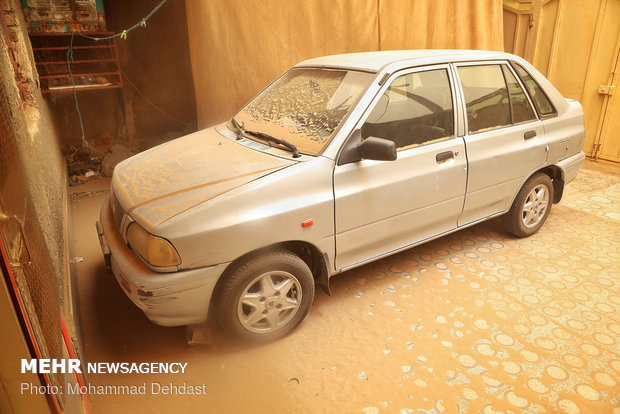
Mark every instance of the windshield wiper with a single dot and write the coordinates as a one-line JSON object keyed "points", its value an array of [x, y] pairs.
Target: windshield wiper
{"points": [[239, 127], [266, 137], [271, 138]]}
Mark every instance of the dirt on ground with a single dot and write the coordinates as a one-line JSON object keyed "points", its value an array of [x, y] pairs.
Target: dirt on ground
{"points": [[477, 321]]}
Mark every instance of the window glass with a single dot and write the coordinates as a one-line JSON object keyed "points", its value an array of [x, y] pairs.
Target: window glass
{"points": [[521, 109], [542, 102], [305, 105], [486, 97], [416, 109]]}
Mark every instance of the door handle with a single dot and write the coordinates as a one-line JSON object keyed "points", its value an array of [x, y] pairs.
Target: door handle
{"points": [[529, 135], [444, 156]]}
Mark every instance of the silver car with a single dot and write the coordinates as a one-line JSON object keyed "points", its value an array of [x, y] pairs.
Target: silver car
{"points": [[340, 161]]}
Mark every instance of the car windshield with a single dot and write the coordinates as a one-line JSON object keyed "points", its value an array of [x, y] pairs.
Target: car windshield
{"points": [[304, 106]]}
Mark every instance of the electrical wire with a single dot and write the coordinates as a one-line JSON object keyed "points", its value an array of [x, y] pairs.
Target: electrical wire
{"points": [[155, 106], [77, 104], [123, 34]]}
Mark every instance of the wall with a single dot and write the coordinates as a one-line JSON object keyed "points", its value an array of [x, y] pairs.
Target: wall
{"points": [[36, 148], [238, 46], [33, 198], [155, 60], [449, 24], [14, 348]]}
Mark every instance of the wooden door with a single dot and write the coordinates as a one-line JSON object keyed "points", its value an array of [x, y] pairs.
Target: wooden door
{"points": [[576, 44], [608, 145], [600, 99]]}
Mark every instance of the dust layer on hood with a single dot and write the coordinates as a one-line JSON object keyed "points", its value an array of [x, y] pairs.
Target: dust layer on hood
{"points": [[164, 181]]}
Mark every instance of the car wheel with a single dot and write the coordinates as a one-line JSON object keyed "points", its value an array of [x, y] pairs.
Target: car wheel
{"points": [[265, 297], [531, 206]]}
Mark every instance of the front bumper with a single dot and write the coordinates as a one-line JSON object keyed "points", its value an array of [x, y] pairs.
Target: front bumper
{"points": [[168, 299]]}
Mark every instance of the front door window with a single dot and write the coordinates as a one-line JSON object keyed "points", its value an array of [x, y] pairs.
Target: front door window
{"points": [[415, 110]]}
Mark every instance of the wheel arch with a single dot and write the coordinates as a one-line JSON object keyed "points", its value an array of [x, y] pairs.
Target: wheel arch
{"points": [[317, 261], [513, 220], [557, 178]]}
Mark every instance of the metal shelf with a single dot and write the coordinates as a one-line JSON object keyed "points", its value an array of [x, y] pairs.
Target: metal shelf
{"points": [[95, 63]]}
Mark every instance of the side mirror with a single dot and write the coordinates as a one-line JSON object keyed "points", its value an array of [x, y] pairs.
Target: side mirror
{"points": [[379, 149], [371, 148]]}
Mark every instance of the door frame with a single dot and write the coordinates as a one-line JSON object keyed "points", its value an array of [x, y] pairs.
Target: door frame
{"points": [[387, 81], [458, 119]]}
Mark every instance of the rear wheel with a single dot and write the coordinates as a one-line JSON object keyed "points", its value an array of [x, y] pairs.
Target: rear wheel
{"points": [[265, 297], [531, 206]]}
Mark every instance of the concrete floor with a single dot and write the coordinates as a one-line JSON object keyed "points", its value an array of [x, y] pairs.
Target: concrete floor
{"points": [[477, 321]]}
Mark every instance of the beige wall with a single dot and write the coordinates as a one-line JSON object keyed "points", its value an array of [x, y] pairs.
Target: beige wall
{"points": [[445, 24], [238, 46]]}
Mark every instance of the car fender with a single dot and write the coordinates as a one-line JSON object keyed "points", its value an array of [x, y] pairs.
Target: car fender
{"points": [[261, 213]]}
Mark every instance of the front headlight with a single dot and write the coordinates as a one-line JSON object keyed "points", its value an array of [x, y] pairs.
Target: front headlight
{"points": [[155, 250]]}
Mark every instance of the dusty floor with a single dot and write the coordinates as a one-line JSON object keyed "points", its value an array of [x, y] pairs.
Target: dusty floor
{"points": [[477, 321]]}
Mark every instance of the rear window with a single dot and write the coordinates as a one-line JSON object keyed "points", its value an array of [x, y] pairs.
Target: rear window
{"points": [[541, 101]]}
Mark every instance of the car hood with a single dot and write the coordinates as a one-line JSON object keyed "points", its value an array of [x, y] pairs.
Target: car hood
{"points": [[164, 181]]}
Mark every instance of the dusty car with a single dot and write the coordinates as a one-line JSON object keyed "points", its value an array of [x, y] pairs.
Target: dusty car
{"points": [[340, 161]]}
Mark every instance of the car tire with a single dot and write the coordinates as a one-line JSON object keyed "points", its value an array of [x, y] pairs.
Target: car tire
{"points": [[265, 297], [531, 206]]}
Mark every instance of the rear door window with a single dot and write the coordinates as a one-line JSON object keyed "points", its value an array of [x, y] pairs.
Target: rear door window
{"points": [[521, 109], [486, 97]]}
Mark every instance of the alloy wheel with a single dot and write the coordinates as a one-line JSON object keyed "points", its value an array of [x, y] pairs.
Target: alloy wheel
{"points": [[535, 206], [269, 302]]}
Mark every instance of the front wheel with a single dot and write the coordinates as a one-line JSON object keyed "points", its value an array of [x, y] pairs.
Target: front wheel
{"points": [[265, 297], [531, 206]]}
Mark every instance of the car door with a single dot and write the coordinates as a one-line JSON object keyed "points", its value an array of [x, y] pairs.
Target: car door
{"points": [[505, 140], [384, 206]]}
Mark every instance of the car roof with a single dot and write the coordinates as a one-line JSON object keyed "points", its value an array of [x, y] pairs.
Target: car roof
{"points": [[375, 61]]}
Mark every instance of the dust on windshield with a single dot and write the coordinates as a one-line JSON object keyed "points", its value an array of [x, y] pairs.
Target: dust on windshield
{"points": [[305, 105]]}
